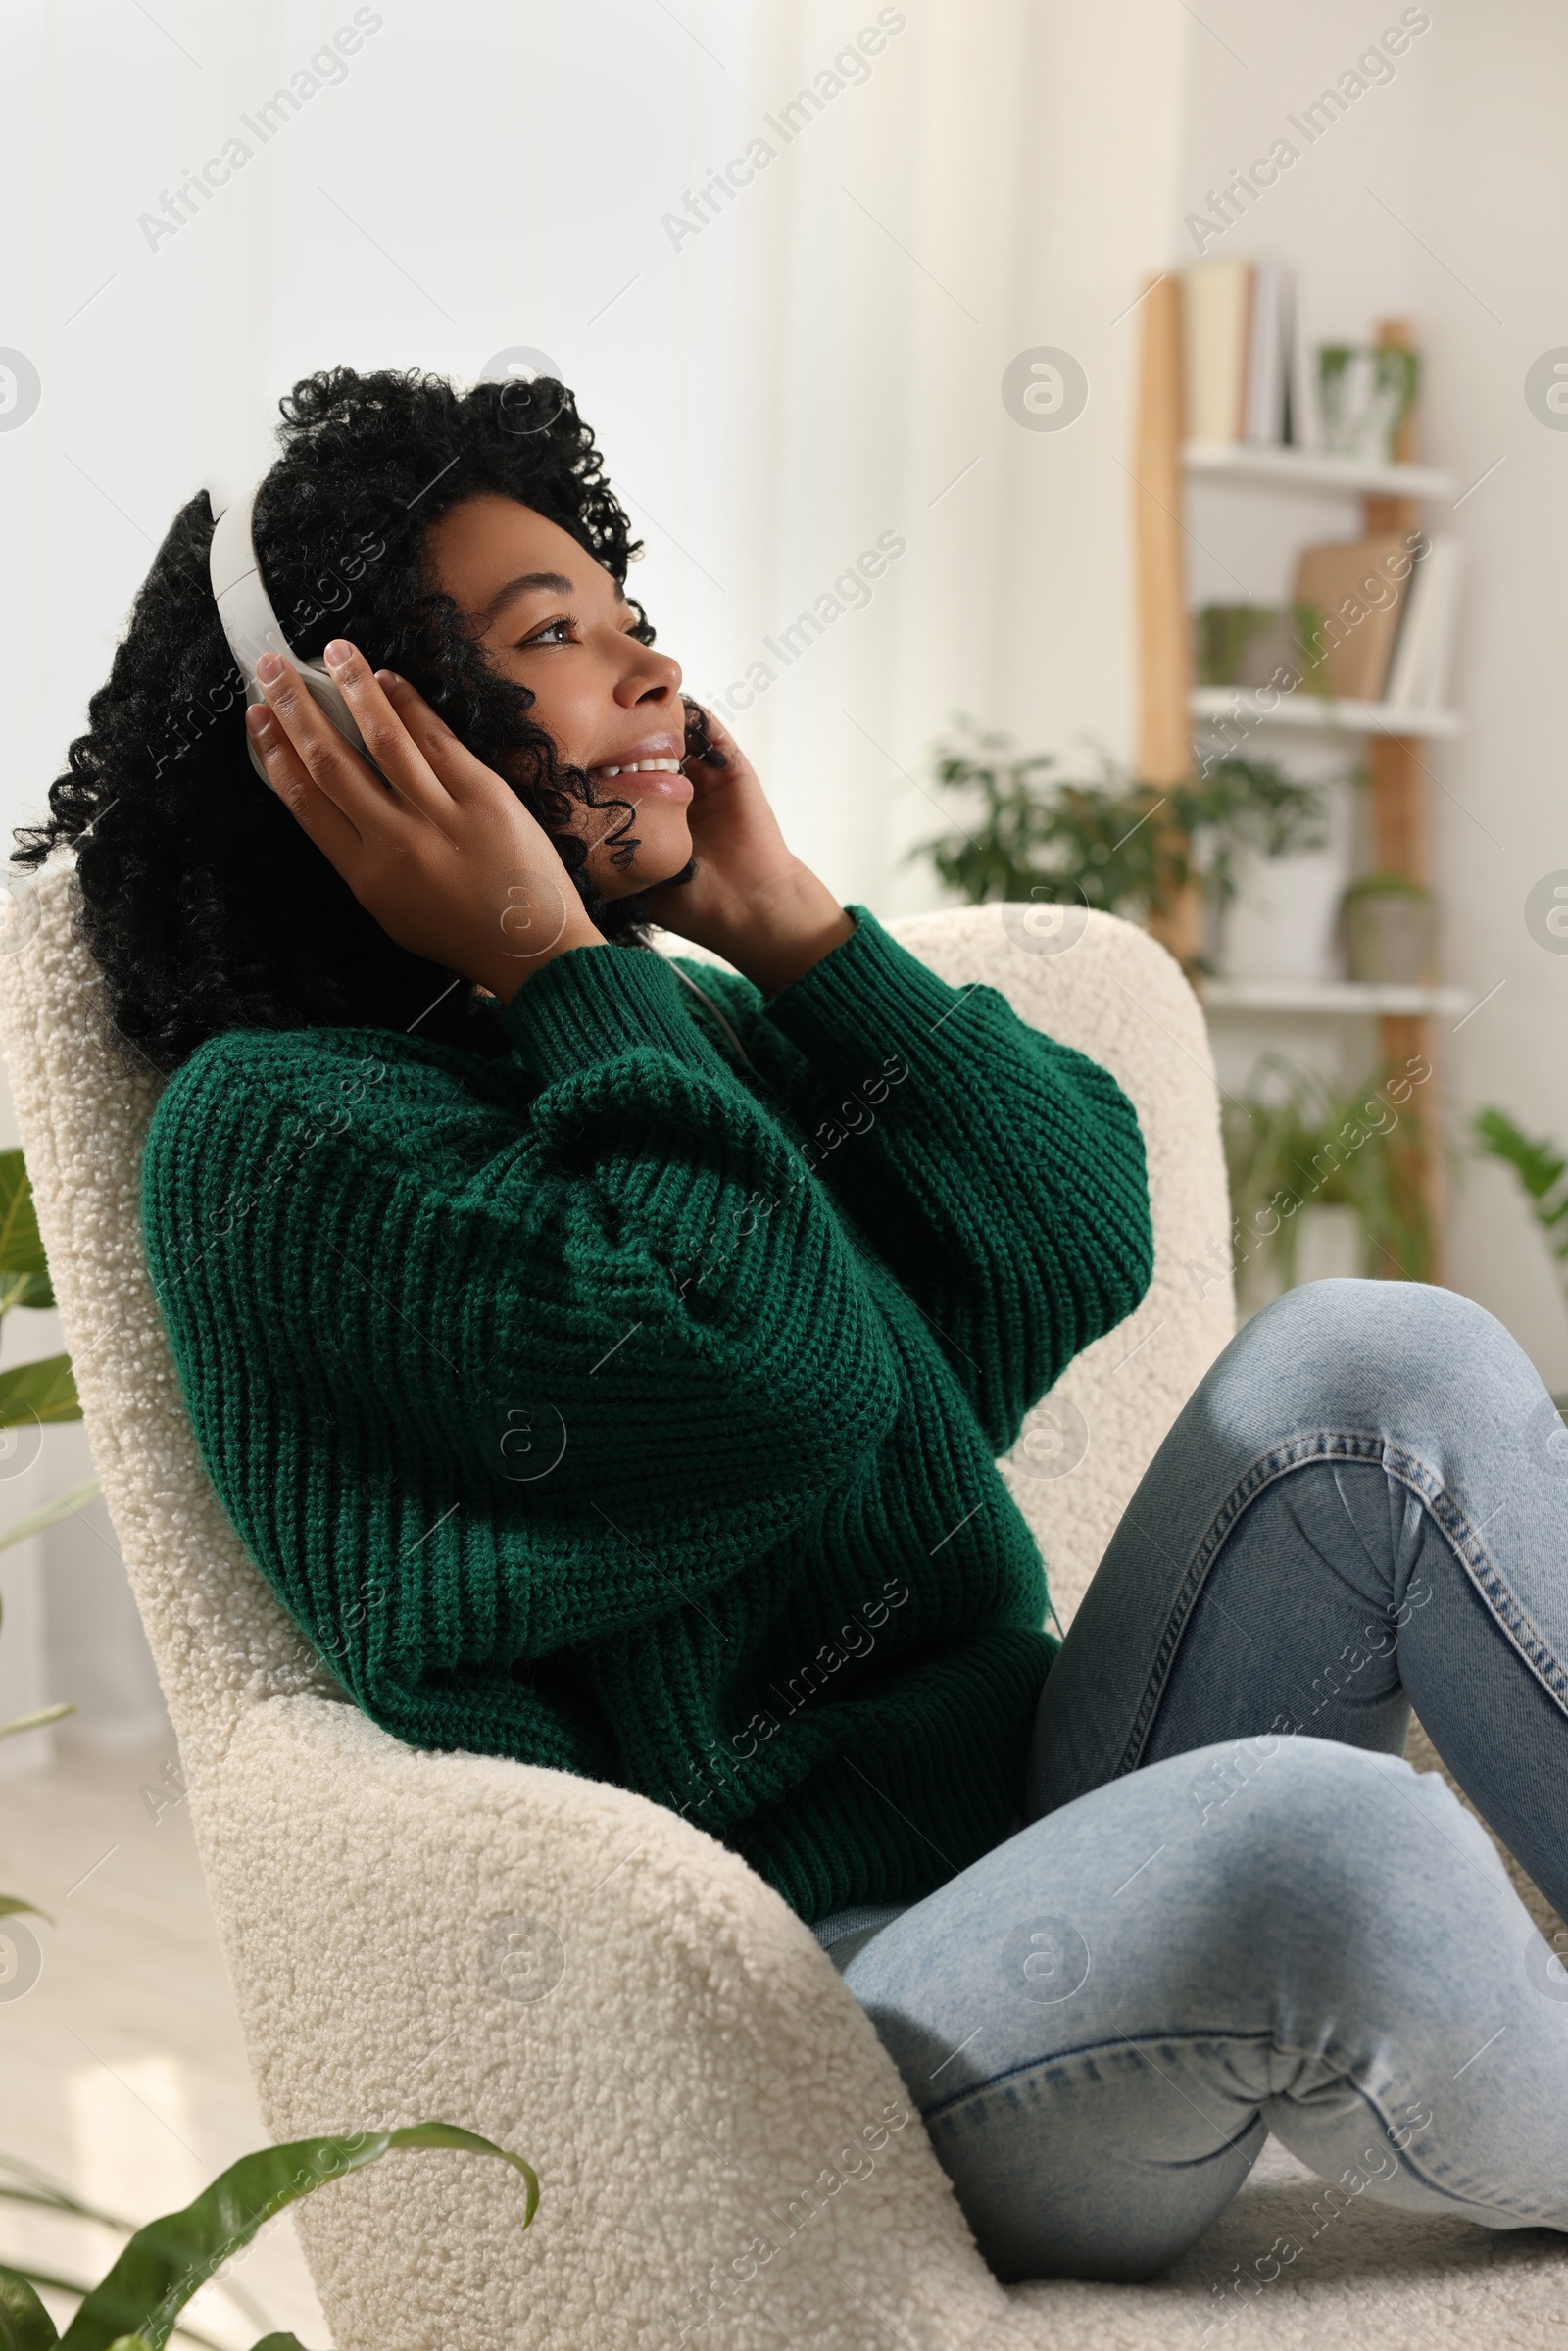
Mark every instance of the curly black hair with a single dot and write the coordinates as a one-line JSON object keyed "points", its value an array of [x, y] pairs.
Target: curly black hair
{"points": [[204, 902]]}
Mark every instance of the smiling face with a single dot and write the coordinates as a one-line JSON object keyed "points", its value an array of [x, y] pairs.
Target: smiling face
{"points": [[551, 619]]}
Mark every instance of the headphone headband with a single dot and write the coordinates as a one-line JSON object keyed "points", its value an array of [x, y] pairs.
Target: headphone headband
{"points": [[251, 625]]}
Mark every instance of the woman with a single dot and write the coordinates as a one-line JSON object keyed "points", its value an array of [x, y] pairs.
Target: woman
{"points": [[606, 1366]]}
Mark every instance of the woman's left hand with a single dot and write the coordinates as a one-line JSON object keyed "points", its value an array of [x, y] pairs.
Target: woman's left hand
{"points": [[751, 899], [741, 854]]}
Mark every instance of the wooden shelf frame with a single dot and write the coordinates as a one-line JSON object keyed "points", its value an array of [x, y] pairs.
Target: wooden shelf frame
{"points": [[1170, 707]]}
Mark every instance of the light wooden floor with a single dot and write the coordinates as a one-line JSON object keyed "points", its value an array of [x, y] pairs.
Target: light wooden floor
{"points": [[122, 2066]]}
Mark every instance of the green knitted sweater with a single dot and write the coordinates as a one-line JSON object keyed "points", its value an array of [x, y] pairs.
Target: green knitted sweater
{"points": [[629, 1403]]}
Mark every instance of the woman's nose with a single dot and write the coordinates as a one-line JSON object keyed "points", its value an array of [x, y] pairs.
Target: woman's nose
{"points": [[657, 674]]}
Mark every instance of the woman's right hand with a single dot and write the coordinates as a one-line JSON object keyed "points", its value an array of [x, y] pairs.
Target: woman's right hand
{"points": [[448, 860]]}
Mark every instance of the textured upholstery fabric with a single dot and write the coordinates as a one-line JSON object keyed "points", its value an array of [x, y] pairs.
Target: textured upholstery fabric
{"points": [[569, 1968]]}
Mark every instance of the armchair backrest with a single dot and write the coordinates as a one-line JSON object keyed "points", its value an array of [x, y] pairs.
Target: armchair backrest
{"points": [[84, 1099]]}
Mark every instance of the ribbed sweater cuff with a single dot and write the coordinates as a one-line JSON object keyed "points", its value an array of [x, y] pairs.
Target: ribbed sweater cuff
{"points": [[596, 1002], [868, 993]]}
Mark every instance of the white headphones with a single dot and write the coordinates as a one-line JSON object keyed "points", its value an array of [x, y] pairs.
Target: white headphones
{"points": [[251, 625]]}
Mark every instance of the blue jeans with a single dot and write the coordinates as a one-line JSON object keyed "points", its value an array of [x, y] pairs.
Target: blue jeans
{"points": [[1231, 1907]]}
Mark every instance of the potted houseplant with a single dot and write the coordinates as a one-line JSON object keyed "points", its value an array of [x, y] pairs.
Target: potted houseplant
{"points": [[1365, 392], [1388, 924], [1111, 842], [1297, 1145], [1251, 645]]}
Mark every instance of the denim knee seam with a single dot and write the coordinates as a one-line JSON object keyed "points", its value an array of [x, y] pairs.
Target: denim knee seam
{"points": [[1465, 1544], [1204, 2038], [1469, 2194], [1412, 1473]]}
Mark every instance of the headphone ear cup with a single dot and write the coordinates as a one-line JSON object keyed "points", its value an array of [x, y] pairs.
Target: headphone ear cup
{"points": [[252, 627]]}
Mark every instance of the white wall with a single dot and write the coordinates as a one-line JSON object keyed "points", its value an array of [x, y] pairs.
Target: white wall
{"points": [[1441, 196]]}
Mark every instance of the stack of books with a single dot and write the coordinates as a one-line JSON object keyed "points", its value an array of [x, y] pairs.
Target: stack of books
{"points": [[1245, 362]]}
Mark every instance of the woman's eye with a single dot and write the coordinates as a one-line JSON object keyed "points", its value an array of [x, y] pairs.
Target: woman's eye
{"points": [[547, 635]]}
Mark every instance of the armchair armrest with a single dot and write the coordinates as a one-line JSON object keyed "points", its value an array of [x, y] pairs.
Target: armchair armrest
{"points": [[584, 1977]]}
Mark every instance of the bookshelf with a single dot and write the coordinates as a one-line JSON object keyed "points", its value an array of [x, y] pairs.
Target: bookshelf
{"points": [[1311, 471], [1356, 999], [1172, 710], [1319, 714]]}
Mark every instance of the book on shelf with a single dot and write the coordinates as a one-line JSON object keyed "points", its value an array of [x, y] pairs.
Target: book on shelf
{"points": [[1264, 395], [1353, 604], [1301, 424], [1217, 306], [1244, 364], [1418, 675]]}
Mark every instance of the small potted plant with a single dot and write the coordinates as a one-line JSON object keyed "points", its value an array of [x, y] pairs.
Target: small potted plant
{"points": [[1390, 928], [1252, 645], [1365, 392], [1301, 1151]]}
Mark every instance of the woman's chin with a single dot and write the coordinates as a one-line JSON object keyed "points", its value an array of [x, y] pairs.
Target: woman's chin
{"points": [[658, 879], [651, 873]]}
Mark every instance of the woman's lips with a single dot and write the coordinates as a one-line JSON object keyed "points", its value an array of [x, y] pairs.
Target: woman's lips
{"points": [[648, 777], [654, 787]]}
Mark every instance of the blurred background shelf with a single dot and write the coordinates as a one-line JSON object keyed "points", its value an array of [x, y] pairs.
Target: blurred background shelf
{"points": [[1197, 331], [1319, 712], [1357, 998], [1312, 471]]}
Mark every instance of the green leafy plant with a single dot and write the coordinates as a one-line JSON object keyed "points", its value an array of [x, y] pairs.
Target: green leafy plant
{"points": [[43, 1391], [1387, 390], [22, 2182], [1224, 636], [1112, 842], [1543, 1170], [137, 2306], [1295, 1138], [32, 1392]]}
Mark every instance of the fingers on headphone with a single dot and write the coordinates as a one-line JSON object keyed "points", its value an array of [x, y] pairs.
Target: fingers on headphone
{"points": [[410, 704], [295, 715], [300, 746], [445, 754], [401, 732], [384, 735], [285, 771]]}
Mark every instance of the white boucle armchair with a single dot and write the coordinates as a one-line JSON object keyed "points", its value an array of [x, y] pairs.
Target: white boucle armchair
{"points": [[727, 2157]]}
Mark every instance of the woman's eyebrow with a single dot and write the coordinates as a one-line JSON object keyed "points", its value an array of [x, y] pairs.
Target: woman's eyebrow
{"points": [[554, 583]]}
